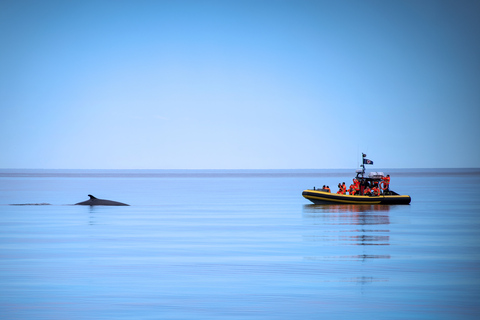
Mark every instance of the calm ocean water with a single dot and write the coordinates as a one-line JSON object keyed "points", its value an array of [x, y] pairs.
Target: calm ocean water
{"points": [[236, 244]]}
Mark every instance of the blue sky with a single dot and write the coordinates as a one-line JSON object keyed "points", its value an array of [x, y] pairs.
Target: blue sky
{"points": [[239, 84]]}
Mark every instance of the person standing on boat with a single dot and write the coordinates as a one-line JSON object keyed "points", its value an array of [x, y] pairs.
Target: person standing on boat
{"points": [[344, 187], [356, 186], [386, 182]]}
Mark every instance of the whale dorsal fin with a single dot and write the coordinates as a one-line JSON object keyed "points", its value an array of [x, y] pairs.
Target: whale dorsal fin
{"points": [[91, 197]]}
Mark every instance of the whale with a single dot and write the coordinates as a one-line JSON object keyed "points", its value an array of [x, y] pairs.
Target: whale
{"points": [[100, 202]]}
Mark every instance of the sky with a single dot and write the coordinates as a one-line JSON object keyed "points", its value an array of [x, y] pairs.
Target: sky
{"points": [[239, 84]]}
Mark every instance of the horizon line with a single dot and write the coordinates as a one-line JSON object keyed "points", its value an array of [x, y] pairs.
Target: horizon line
{"points": [[185, 169]]}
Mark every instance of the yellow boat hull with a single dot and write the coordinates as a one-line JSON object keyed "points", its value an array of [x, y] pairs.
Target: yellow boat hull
{"points": [[324, 197]]}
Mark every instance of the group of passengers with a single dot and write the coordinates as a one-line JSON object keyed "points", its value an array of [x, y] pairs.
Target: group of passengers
{"points": [[354, 189]]}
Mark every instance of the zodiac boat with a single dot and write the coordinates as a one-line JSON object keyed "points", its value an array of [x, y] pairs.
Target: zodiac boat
{"points": [[387, 196]]}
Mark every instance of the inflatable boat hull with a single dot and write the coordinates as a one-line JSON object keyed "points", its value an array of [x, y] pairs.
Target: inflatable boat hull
{"points": [[324, 197]]}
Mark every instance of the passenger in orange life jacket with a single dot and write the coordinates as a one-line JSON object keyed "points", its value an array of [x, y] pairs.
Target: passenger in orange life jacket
{"points": [[328, 189], [344, 187], [351, 190], [356, 185], [376, 190], [340, 189], [367, 191]]}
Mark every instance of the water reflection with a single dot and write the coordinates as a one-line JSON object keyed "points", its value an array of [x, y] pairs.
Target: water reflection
{"points": [[331, 225], [347, 208], [349, 233], [92, 216], [361, 215]]}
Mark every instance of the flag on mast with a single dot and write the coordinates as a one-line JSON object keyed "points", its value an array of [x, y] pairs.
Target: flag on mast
{"points": [[367, 161]]}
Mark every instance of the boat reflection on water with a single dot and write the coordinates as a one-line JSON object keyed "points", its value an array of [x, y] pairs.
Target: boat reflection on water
{"points": [[350, 214], [349, 233], [347, 225], [332, 208]]}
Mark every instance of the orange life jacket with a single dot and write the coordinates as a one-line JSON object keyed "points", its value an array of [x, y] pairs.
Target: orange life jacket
{"points": [[351, 190]]}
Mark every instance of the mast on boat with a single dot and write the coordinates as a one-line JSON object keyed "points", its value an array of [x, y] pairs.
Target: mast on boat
{"points": [[363, 164]]}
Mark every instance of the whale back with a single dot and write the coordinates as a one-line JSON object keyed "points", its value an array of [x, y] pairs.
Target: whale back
{"points": [[93, 201]]}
